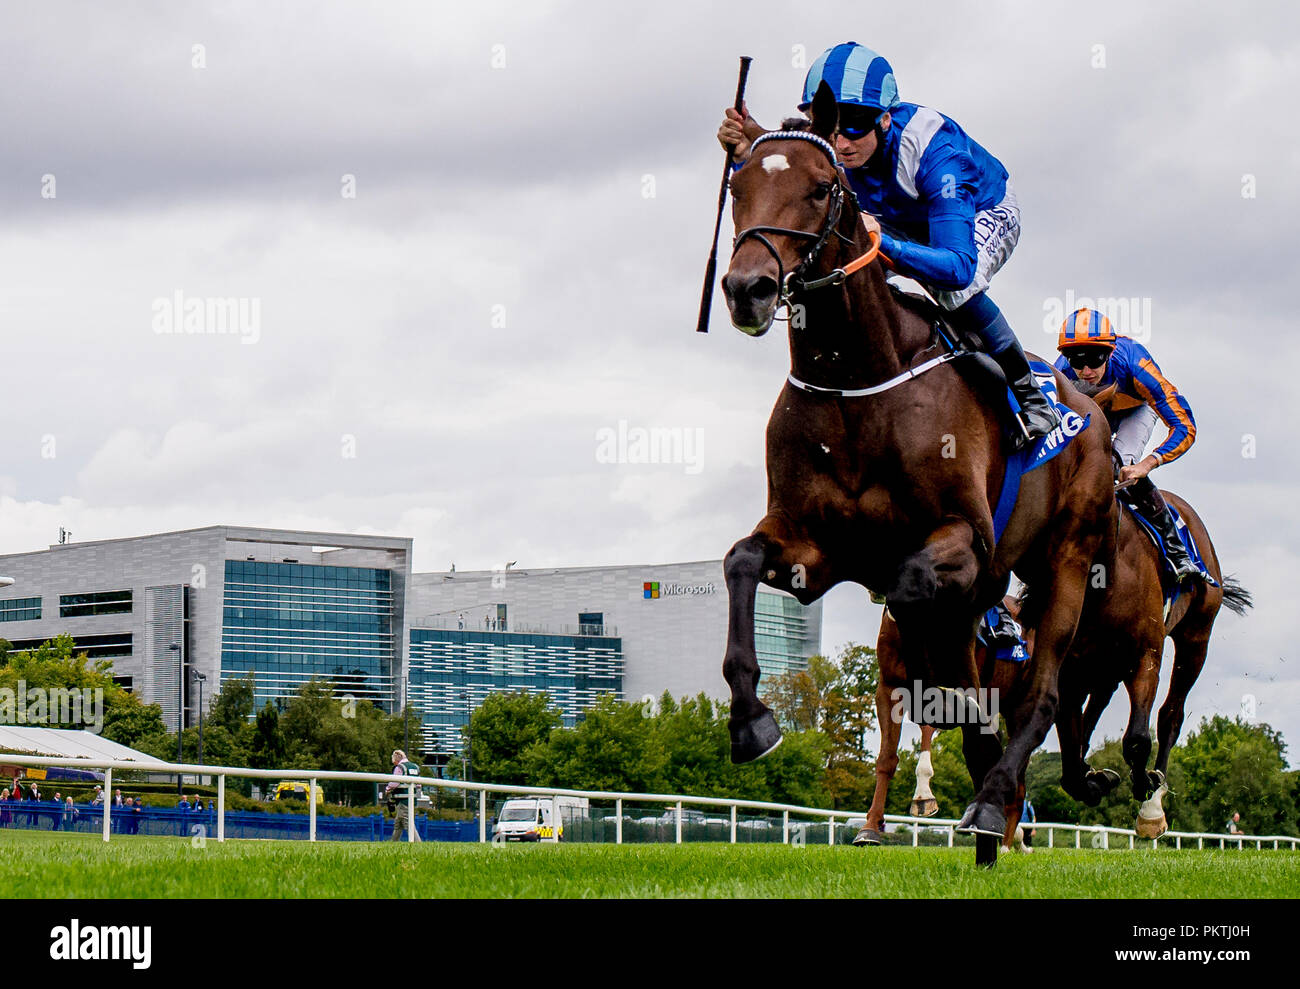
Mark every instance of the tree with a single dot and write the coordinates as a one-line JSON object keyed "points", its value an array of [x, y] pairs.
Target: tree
{"points": [[836, 698], [502, 729], [234, 704], [1230, 766], [611, 748], [268, 749], [56, 665]]}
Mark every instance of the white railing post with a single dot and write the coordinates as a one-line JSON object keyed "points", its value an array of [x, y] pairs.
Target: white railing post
{"points": [[1178, 842], [410, 813], [951, 832], [555, 819], [618, 824], [108, 800], [830, 832], [733, 824], [785, 827], [1077, 832], [679, 822], [311, 809], [221, 807], [482, 817], [1050, 833], [1130, 842], [1200, 841]]}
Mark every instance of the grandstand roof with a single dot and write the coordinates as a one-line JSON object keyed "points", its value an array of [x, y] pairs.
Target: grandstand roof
{"points": [[22, 740]]}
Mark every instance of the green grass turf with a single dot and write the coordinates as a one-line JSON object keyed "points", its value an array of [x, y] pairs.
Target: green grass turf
{"points": [[49, 865]]}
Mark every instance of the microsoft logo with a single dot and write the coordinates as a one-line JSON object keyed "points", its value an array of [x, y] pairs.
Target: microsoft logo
{"points": [[653, 589]]}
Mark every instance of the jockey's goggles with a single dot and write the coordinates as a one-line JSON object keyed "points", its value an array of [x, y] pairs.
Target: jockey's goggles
{"points": [[1088, 357], [856, 122]]}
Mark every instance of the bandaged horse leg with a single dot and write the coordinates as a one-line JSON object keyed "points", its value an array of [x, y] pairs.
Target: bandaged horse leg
{"points": [[923, 802], [775, 555]]}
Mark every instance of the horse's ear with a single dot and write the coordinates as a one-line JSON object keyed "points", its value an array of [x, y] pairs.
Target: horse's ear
{"points": [[825, 112]]}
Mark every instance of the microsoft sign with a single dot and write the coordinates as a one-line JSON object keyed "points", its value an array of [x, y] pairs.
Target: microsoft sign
{"points": [[652, 589]]}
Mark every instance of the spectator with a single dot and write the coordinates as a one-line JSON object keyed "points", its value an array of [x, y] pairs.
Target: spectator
{"points": [[183, 804], [4, 807], [70, 814], [460, 621], [98, 798], [1234, 824], [117, 800], [396, 798]]}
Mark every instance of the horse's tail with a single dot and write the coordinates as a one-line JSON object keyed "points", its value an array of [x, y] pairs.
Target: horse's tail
{"points": [[1235, 597]]}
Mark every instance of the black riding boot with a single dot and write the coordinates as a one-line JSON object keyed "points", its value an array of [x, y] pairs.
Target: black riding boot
{"points": [[1147, 499], [1039, 416]]}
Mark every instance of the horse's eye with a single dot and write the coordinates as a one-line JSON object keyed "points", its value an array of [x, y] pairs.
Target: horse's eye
{"points": [[822, 190]]}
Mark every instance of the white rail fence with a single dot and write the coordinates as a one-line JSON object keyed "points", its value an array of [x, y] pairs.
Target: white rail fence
{"points": [[1099, 836]]}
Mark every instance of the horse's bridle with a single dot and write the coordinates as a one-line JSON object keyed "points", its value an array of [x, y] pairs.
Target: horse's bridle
{"points": [[793, 281]]}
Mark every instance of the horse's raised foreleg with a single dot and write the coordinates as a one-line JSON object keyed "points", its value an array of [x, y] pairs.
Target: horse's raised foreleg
{"points": [[767, 556]]}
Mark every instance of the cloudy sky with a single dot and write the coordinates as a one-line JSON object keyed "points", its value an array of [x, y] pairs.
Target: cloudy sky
{"points": [[470, 237]]}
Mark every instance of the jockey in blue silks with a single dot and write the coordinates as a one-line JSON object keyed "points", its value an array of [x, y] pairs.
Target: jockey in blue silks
{"points": [[949, 199]]}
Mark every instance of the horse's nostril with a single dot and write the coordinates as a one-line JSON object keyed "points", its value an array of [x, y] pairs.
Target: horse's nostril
{"points": [[763, 289]]}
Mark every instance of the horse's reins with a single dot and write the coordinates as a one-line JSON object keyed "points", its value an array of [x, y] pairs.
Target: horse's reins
{"points": [[791, 282]]}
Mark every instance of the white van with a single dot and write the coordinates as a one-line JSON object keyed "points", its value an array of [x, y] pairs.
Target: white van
{"points": [[529, 818]]}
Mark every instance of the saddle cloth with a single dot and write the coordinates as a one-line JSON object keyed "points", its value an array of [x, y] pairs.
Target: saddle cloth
{"points": [[1021, 462]]}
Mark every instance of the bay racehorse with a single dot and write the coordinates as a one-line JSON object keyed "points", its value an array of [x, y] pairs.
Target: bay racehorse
{"points": [[884, 464], [1120, 639]]}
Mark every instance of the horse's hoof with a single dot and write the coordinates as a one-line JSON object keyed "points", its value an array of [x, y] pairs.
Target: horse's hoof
{"points": [[983, 819], [924, 808], [1155, 779], [986, 850], [1104, 780], [755, 738], [867, 836]]}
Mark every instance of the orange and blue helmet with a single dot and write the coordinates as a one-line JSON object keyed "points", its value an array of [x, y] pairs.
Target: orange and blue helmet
{"points": [[1086, 328]]}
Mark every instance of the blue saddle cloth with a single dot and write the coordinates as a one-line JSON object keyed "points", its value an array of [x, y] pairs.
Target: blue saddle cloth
{"points": [[1171, 590], [1021, 462]]}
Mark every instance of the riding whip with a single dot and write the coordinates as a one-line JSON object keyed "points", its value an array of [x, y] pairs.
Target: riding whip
{"points": [[710, 272]]}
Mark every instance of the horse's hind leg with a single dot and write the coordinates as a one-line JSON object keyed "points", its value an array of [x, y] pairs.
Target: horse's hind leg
{"points": [[886, 761], [1189, 660], [1137, 736]]}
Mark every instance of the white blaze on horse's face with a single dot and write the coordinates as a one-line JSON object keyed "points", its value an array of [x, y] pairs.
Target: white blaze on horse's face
{"points": [[775, 163]]}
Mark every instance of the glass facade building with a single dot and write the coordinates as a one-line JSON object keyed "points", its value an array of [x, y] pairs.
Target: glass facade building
{"points": [[290, 622], [452, 671], [782, 634]]}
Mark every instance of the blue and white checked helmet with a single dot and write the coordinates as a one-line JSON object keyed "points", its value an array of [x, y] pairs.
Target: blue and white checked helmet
{"points": [[856, 74]]}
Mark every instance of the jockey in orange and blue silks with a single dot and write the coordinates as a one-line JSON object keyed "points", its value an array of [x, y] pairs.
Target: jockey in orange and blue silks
{"points": [[1095, 358], [953, 217]]}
